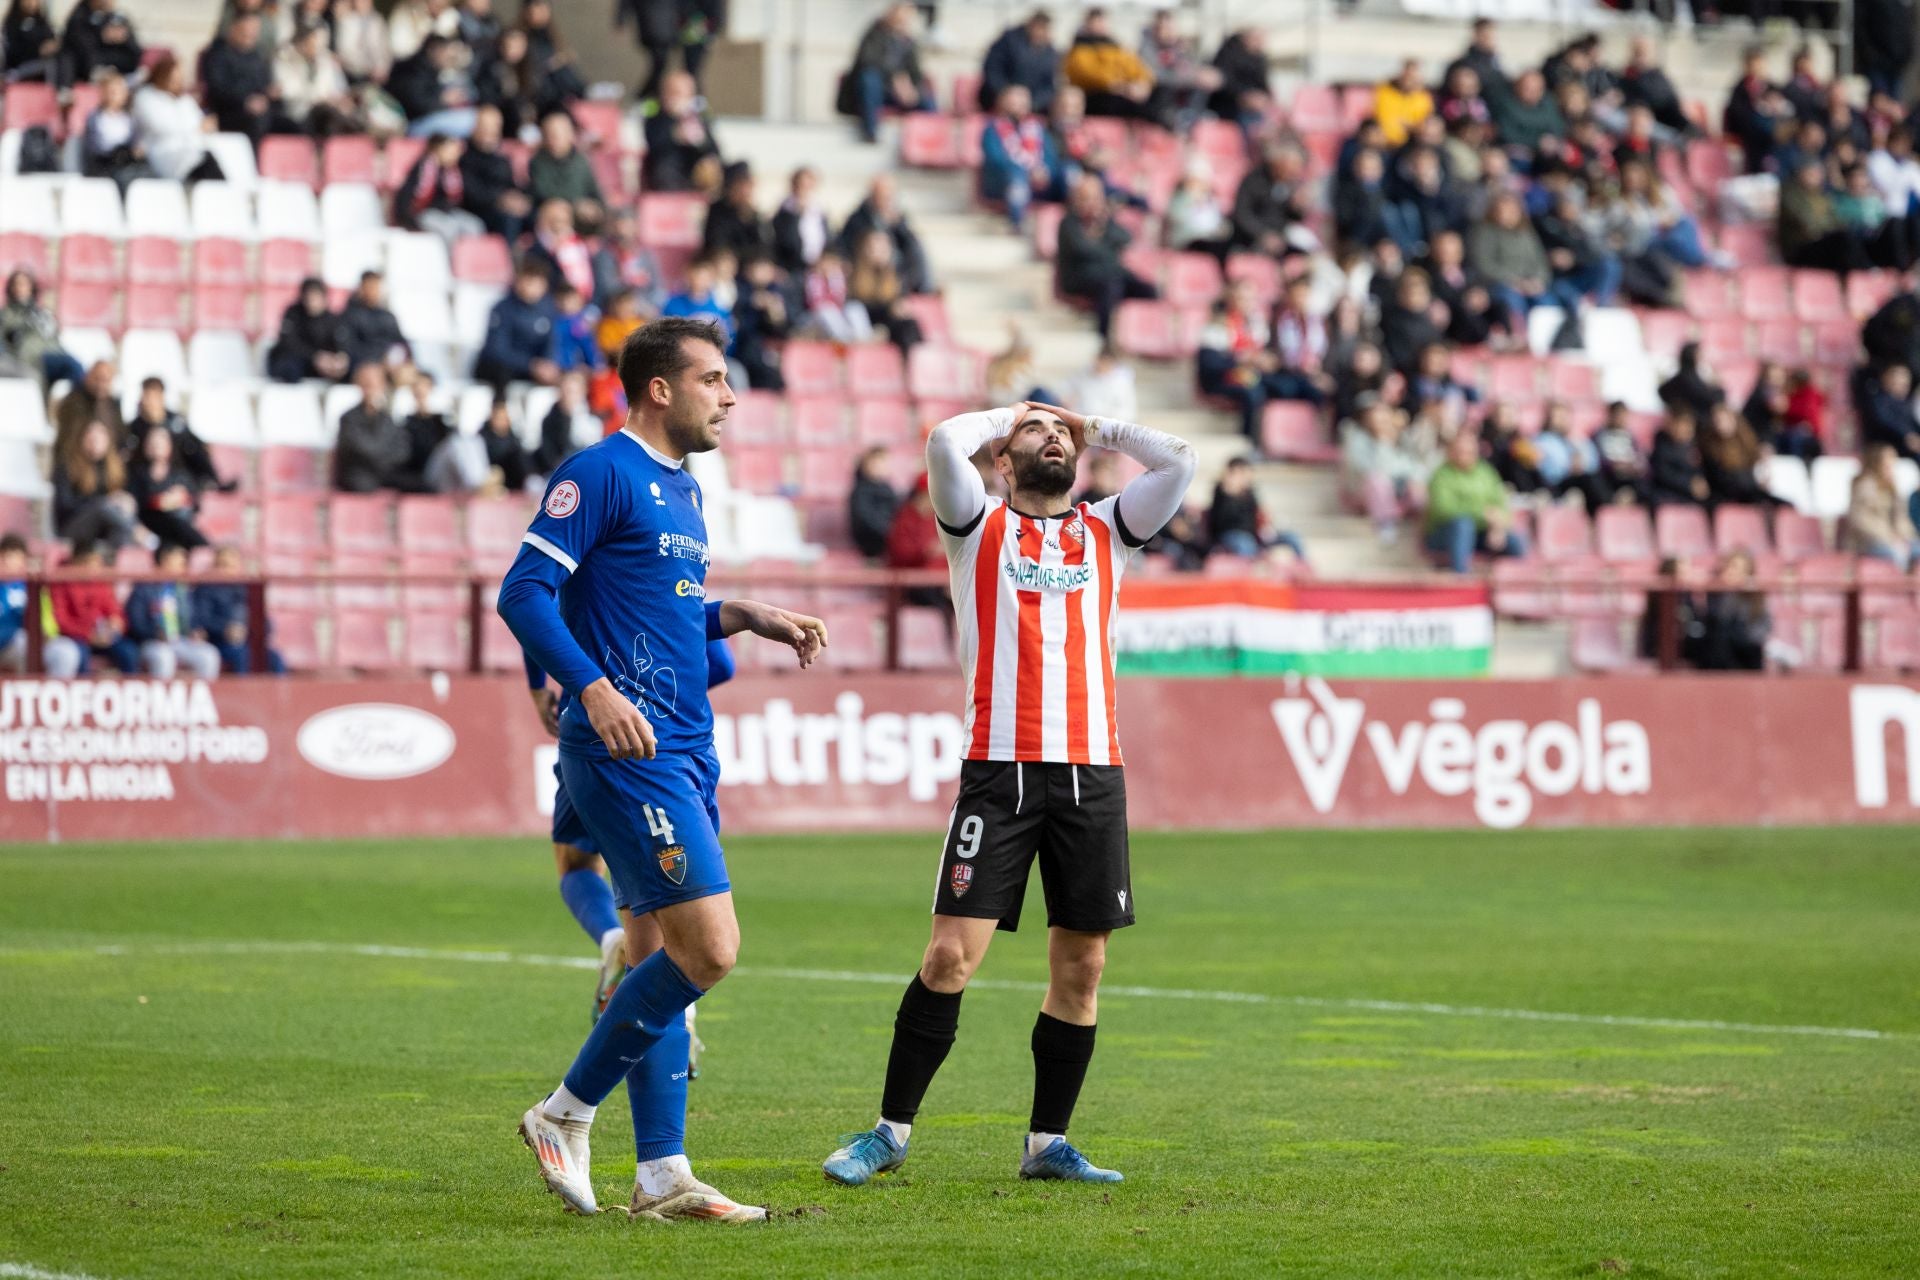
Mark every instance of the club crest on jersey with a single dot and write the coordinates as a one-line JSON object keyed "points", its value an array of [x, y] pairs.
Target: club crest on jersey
{"points": [[673, 863], [564, 500], [1073, 532], [960, 879]]}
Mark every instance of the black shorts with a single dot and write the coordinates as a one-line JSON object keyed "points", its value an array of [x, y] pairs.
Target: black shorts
{"points": [[1073, 816]]}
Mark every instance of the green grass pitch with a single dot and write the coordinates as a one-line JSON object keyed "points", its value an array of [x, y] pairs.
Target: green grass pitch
{"points": [[289, 1106]]}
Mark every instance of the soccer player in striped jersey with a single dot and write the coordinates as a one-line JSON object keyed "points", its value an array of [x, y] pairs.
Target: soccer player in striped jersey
{"points": [[1035, 582]]}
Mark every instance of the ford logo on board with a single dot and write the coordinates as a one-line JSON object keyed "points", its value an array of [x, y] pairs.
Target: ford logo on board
{"points": [[376, 741]]}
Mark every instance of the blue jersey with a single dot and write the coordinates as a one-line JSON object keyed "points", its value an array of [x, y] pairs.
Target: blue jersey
{"points": [[625, 526]]}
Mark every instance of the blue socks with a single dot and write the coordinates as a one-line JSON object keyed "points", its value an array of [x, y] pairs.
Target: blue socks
{"points": [[590, 898], [657, 1092], [649, 1005]]}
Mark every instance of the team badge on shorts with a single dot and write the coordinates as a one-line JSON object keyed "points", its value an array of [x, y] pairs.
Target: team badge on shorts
{"points": [[961, 879], [673, 863]]}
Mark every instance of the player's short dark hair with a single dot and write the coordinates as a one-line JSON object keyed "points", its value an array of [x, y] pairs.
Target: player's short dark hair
{"points": [[153, 384], [659, 350]]}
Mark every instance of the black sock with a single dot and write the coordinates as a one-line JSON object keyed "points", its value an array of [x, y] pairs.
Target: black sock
{"points": [[1061, 1052], [923, 1031]]}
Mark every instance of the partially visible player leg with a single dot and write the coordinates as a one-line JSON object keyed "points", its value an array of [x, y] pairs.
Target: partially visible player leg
{"points": [[1062, 1049], [584, 888]]}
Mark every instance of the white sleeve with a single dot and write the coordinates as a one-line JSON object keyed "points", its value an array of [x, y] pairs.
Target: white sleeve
{"points": [[959, 495], [1150, 500]]}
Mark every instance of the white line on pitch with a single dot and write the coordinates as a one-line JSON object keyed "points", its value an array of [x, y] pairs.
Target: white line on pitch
{"points": [[21, 1271], [1001, 984]]}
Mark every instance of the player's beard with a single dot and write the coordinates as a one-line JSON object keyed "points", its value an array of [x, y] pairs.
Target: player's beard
{"points": [[1033, 473], [693, 434]]}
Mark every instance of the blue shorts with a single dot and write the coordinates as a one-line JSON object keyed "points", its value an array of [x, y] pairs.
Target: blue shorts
{"points": [[656, 822], [567, 827]]}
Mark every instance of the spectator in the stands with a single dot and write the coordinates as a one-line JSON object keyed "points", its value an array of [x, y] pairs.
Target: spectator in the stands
{"points": [[1361, 213], [1511, 451], [1272, 204], [1430, 382], [488, 188], [733, 224], [914, 543], [681, 150], [1526, 116], [576, 323], [1114, 78], [1803, 429], [219, 615], [1402, 102], [431, 196], [31, 45], [1755, 106], [1467, 508], [238, 81], [160, 620], [801, 231], [558, 250], [700, 300], [1238, 361], [1621, 476], [831, 312], [165, 489], [1238, 526], [428, 433], [360, 41], [92, 399], [1644, 223], [1692, 386], [1482, 55], [1018, 162], [435, 89], [1766, 407], [871, 504], [1473, 318], [1895, 171], [623, 265], [1878, 524], [310, 344], [550, 66], [1103, 478], [568, 427], [413, 22], [1428, 200], [1107, 389], [314, 96], [110, 145], [1076, 149], [1195, 221], [506, 456], [1803, 90], [90, 499], [60, 657], [559, 170], [189, 450], [1024, 56], [882, 210], [1861, 210], [170, 126], [874, 283], [372, 450], [520, 333], [1644, 83], [1088, 264], [1676, 471], [1887, 415], [369, 331], [1563, 455], [886, 71], [1383, 466], [1244, 95], [1579, 261], [504, 81], [98, 36], [1506, 252], [1177, 69], [1412, 322], [86, 609], [1735, 629], [31, 335]]}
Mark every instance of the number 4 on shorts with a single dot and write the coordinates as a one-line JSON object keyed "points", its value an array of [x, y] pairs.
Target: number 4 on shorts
{"points": [[657, 824]]}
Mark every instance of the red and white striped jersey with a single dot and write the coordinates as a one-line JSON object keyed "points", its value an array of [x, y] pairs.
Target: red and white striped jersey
{"points": [[1035, 601]]}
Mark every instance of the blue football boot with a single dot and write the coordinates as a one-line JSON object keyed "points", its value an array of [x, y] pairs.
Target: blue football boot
{"points": [[862, 1155], [1059, 1162]]}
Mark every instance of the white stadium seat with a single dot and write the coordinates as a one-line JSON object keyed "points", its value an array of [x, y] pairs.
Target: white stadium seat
{"points": [[23, 413], [346, 255], [222, 209], [290, 415], [31, 204], [1787, 479], [349, 207], [533, 412], [217, 355], [472, 305], [435, 358], [88, 346], [287, 211], [1833, 486], [1906, 477], [20, 470], [158, 208], [222, 413], [417, 260], [92, 206], [423, 314], [152, 353], [233, 152], [475, 403], [338, 401]]}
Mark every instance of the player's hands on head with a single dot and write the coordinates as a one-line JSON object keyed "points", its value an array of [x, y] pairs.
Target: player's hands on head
{"points": [[547, 703], [805, 635], [618, 722]]}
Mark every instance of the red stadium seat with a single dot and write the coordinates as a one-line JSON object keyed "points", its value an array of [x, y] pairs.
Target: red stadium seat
{"points": [[446, 596], [1599, 645], [88, 259], [220, 261], [290, 524], [1708, 164], [818, 420], [1257, 269], [1798, 536], [362, 641], [966, 93], [672, 220], [349, 157], [1315, 109], [1884, 586], [1780, 340], [1574, 381], [397, 161], [1868, 291], [1738, 375], [24, 251], [930, 311], [1624, 535], [30, 104], [967, 137], [946, 373], [483, 260], [1709, 294], [1664, 332], [1191, 280], [362, 524], [811, 368], [759, 417], [221, 308], [494, 529], [235, 462], [1741, 529], [297, 639], [599, 124], [155, 260], [1725, 339], [1764, 292], [364, 580], [155, 306], [925, 640], [1817, 296], [1513, 378], [609, 165], [1292, 430], [499, 651], [290, 469], [1219, 140], [1751, 244], [289, 158], [883, 422], [858, 643], [827, 473], [87, 306], [433, 641], [1682, 531], [1045, 221], [876, 371], [1897, 641], [222, 517], [285, 262], [1563, 533], [428, 524], [1837, 342], [757, 470]]}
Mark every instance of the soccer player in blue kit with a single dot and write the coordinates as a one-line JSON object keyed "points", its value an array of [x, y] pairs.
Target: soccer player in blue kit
{"points": [[608, 595]]}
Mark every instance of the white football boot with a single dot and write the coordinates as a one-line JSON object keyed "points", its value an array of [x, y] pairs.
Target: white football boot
{"points": [[561, 1147], [691, 1200]]}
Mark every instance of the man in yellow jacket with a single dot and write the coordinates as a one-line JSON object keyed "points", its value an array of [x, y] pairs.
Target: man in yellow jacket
{"points": [[1402, 103], [1114, 79]]}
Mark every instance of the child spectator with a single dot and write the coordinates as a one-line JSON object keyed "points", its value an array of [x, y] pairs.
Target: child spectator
{"points": [[219, 616], [623, 317], [576, 343], [1621, 476], [160, 621], [87, 611], [90, 499], [110, 146], [166, 491], [520, 334], [761, 317], [1804, 432], [871, 504], [1238, 525], [506, 456], [831, 310], [1381, 468], [60, 657]]}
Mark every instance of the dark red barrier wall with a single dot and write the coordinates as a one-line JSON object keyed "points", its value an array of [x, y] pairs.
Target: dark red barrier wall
{"points": [[260, 758]]}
